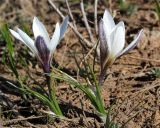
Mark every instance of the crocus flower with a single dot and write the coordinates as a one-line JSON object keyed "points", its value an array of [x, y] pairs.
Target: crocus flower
{"points": [[43, 47], [112, 41]]}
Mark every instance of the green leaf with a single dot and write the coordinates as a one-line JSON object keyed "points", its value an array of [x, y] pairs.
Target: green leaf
{"points": [[10, 49], [158, 8], [58, 74]]}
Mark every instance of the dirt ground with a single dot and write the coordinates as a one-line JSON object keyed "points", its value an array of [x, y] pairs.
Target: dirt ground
{"points": [[132, 85]]}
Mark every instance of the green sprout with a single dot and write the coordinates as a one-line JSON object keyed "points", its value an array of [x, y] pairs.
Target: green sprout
{"points": [[157, 8], [126, 8], [8, 58], [156, 72]]}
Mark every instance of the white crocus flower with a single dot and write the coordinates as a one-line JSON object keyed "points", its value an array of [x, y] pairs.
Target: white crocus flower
{"points": [[112, 41], [43, 47]]}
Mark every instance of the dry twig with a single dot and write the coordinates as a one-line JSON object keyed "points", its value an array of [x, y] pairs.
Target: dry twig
{"points": [[15, 121], [70, 14], [95, 16], [145, 59], [86, 22], [86, 42]]}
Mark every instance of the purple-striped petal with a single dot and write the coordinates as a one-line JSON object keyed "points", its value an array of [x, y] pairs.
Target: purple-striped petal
{"points": [[132, 44]]}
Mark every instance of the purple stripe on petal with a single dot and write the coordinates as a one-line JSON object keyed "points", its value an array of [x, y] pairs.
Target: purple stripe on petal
{"points": [[132, 45], [103, 44], [103, 51], [43, 52]]}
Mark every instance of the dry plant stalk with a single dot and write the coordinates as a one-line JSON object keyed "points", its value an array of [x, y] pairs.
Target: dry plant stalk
{"points": [[86, 22], [90, 43], [95, 16]]}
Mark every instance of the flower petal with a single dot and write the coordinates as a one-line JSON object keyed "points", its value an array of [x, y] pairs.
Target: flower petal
{"points": [[40, 30], [42, 49], [103, 45], [55, 38], [27, 40], [63, 27], [108, 22], [132, 44], [16, 35], [43, 53], [118, 39]]}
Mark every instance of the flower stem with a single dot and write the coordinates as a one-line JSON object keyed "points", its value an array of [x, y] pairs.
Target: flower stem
{"points": [[101, 78], [100, 102], [52, 96], [48, 81]]}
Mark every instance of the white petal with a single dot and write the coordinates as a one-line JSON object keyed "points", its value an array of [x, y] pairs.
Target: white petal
{"points": [[110, 38], [27, 40], [108, 22], [63, 27], [16, 35], [55, 38], [40, 30], [132, 44], [118, 39]]}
